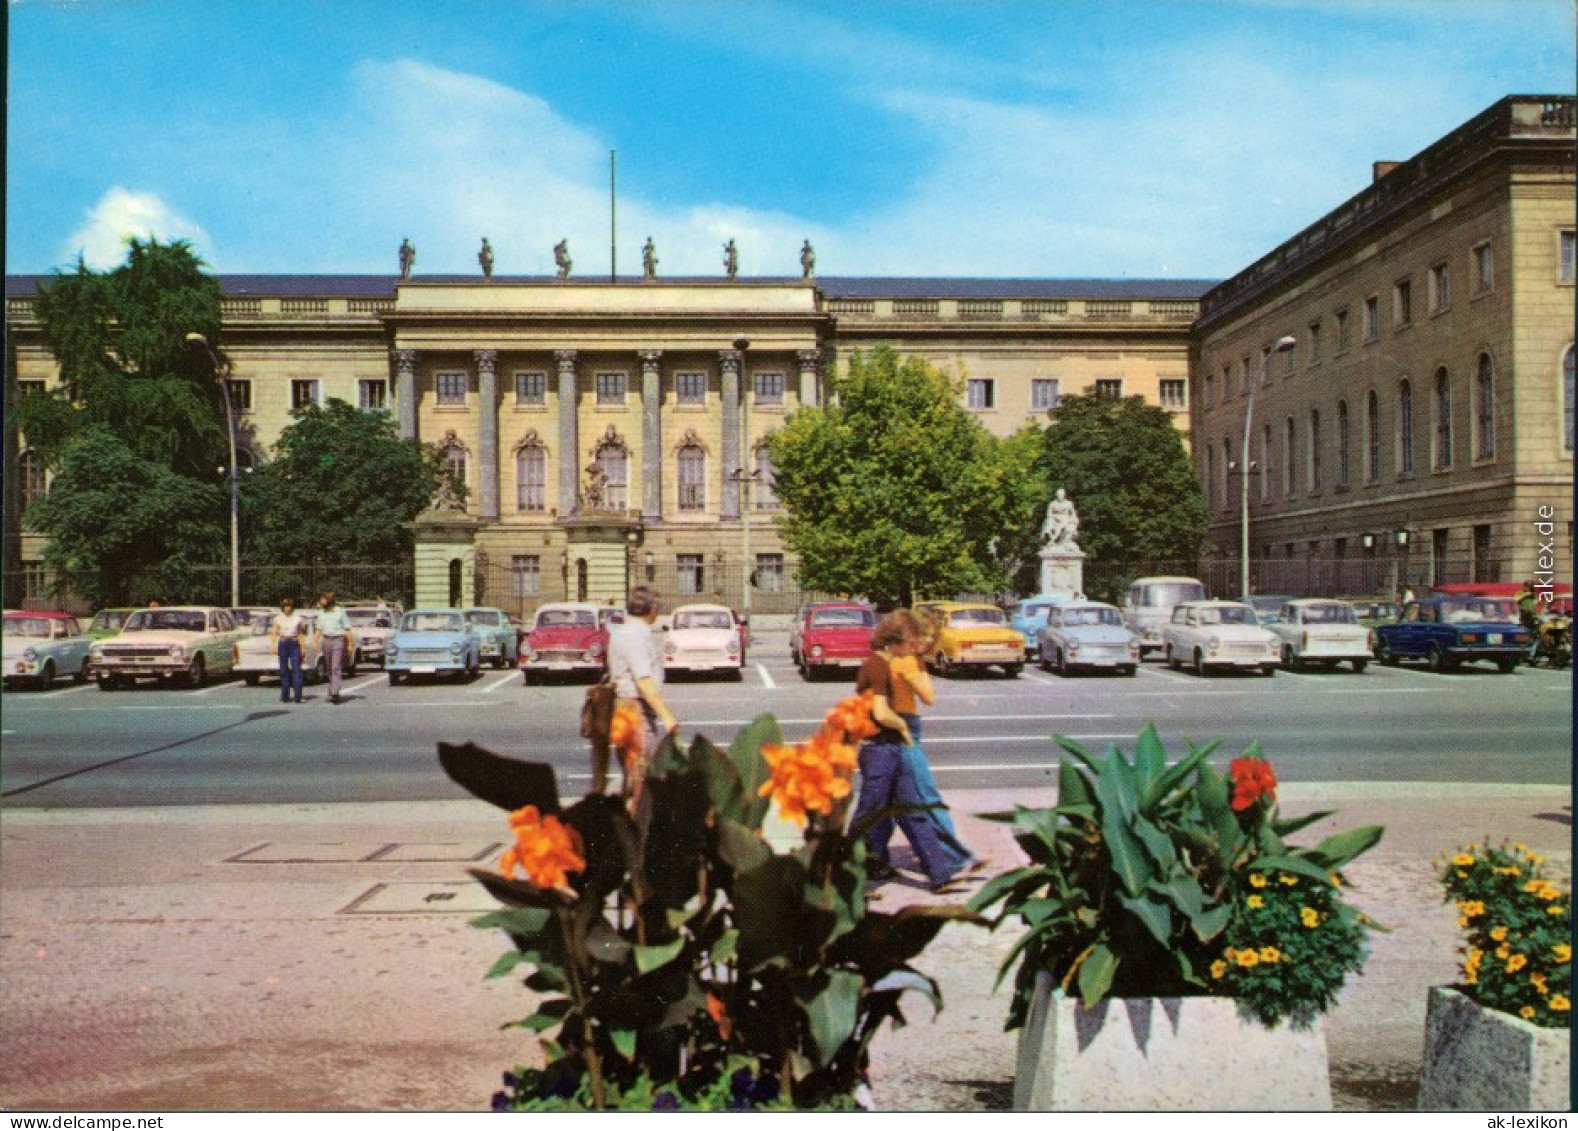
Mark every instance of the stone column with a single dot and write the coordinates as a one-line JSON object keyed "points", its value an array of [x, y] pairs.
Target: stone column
{"points": [[651, 435], [405, 392], [569, 437], [808, 375], [729, 361], [488, 433]]}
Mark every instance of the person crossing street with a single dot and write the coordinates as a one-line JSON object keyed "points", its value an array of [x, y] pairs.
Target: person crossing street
{"points": [[335, 630]]}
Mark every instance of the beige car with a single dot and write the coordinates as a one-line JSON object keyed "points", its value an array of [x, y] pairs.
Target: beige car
{"points": [[189, 643], [257, 653], [1219, 634]]}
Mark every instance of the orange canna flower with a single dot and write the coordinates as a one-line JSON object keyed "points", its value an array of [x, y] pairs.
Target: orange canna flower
{"points": [[719, 1015], [545, 848], [808, 777], [627, 732]]}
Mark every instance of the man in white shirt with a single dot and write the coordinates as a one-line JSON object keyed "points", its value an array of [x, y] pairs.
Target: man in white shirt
{"points": [[636, 668]]}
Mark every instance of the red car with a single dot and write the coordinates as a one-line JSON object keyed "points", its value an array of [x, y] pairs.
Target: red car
{"points": [[566, 636], [831, 634]]}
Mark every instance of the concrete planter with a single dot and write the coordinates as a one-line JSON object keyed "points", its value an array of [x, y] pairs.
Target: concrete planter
{"points": [[1479, 1059], [1164, 1054]]}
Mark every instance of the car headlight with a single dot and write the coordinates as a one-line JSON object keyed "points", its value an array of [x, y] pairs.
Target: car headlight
{"points": [[1213, 643], [177, 652], [30, 654], [456, 648], [390, 648], [669, 649], [1073, 646], [95, 650], [816, 650], [1134, 647]]}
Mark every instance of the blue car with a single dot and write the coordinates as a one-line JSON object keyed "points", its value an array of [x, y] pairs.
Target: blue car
{"points": [[1448, 631], [433, 642], [1029, 617]]}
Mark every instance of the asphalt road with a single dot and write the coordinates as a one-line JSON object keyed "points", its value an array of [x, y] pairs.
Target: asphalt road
{"points": [[231, 744]]}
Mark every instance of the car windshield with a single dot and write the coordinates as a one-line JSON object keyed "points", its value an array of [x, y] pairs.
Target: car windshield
{"points": [[370, 618], [566, 618], [1167, 593], [1334, 613], [431, 622], [844, 618], [111, 619], [28, 626], [1073, 617], [1462, 612], [968, 617], [610, 616], [1228, 614], [703, 619], [166, 620], [487, 617], [262, 623]]}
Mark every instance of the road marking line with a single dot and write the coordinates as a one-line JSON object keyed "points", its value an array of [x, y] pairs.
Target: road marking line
{"points": [[346, 688], [496, 684], [766, 679], [58, 692], [1171, 676], [213, 687]]}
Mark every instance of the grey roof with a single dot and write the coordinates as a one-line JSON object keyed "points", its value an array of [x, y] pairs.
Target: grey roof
{"points": [[383, 286]]}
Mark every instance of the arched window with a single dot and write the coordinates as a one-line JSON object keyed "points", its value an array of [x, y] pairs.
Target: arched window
{"points": [[31, 466], [1287, 457], [766, 491], [1567, 398], [1372, 441], [1485, 409], [455, 461], [1314, 449], [1215, 497], [1443, 411], [614, 462], [1405, 428], [692, 478], [1343, 452], [531, 478]]}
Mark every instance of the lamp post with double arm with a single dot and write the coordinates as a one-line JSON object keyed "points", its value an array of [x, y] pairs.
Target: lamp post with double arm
{"points": [[222, 375], [1282, 345]]}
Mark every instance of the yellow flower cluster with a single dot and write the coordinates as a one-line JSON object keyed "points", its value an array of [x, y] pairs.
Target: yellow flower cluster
{"points": [[1245, 957], [1309, 917]]}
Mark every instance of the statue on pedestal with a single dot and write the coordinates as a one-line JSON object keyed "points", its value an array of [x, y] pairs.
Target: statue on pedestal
{"points": [[485, 258], [561, 256], [731, 259], [407, 258], [1062, 523], [807, 260], [649, 260]]}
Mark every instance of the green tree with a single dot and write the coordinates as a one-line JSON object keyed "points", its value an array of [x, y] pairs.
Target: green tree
{"points": [[123, 528], [339, 490], [1010, 483], [1123, 463], [119, 338], [883, 488]]}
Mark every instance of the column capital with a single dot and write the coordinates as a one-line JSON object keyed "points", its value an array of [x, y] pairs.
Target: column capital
{"points": [[730, 360], [486, 359], [808, 358], [404, 360], [650, 359], [565, 357]]}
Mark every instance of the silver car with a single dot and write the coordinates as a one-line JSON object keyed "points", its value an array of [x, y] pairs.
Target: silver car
{"points": [[1087, 636]]}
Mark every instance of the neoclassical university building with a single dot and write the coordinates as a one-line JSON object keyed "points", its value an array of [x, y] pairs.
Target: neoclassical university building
{"points": [[612, 430]]}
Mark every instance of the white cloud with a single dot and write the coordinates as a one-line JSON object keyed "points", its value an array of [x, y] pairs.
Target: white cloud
{"points": [[121, 214]]}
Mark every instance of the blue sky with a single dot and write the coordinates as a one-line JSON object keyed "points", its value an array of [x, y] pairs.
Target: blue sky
{"points": [[1043, 138]]}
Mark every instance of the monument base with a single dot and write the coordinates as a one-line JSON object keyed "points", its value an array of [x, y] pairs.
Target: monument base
{"points": [[1063, 571]]}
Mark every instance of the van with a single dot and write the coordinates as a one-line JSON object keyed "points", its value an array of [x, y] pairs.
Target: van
{"points": [[1150, 603]]}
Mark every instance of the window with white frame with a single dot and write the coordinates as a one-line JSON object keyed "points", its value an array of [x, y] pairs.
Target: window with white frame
{"points": [[531, 479], [1440, 279], [35, 581], [1343, 451], [303, 392], [1372, 436], [690, 389], [240, 394], [690, 574], [1485, 409], [1565, 267], [1371, 319], [531, 387], [614, 462], [1484, 269], [980, 393], [610, 388], [1405, 427], [692, 478], [34, 481], [372, 394], [449, 388], [525, 575], [1402, 303], [765, 492], [1443, 413], [455, 462], [1227, 473], [1043, 394], [1174, 391], [768, 389], [29, 386], [1110, 388], [769, 574]]}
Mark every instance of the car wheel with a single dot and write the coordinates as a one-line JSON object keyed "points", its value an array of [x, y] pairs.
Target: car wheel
{"points": [[47, 676], [108, 683], [81, 675], [1506, 664], [1385, 655], [1061, 664], [1043, 663], [1435, 659], [1013, 670], [943, 667], [1290, 660], [253, 679], [1359, 666], [396, 678], [1199, 662], [1172, 661], [1128, 671], [197, 674], [526, 676], [1269, 670]]}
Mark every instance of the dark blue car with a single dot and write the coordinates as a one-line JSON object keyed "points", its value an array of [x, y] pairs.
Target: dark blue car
{"points": [[1447, 631]]}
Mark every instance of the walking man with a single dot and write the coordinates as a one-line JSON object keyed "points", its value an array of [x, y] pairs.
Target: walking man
{"points": [[336, 633], [636, 669]]}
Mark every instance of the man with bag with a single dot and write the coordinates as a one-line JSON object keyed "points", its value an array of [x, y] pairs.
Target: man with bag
{"points": [[635, 668]]}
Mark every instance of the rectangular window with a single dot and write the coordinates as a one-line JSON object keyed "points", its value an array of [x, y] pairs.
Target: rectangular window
{"points": [[1484, 567], [1440, 541], [29, 387], [531, 388], [980, 393], [1344, 338], [525, 575], [1440, 288], [1109, 387], [1484, 269], [450, 388], [1565, 257], [690, 389], [240, 394], [1315, 343], [1402, 303], [610, 388], [1175, 392], [1043, 394], [769, 389], [1210, 390], [692, 479], [34, 581], [690, 575], [1243, 378], [303, 392], [769, 576], [372, 394], [1371, 319]]}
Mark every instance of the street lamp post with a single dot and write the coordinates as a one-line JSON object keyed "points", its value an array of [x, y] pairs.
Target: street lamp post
{"points": [[222, 375], [1283, 344], [745, 480]]}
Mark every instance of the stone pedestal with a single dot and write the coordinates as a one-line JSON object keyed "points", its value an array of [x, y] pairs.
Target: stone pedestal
{"points": [[1062, 570]]}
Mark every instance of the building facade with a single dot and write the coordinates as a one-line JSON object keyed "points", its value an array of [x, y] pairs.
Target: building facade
{"points": [[1418, 427]]}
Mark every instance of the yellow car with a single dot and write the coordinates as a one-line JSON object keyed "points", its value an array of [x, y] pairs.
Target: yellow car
{"points": [[974, 636]]}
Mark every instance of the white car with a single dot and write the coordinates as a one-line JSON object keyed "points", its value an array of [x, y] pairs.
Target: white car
{"points": [[1087, 635], [1219, 634], [703, 638], [257, 654], [40, 646], [372, 626], [187, 642], [1319, 632]]}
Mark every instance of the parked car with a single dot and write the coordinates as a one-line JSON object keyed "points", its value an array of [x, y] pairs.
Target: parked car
{"points": [[1447, 631], [1321, 632], [36, 648], [1372, 611], [1268, 606], [1087, 636], [372, 626], [187, 642], [257, 653], [496, 634], [1029, 617], [973, 636], [704, 638], [433, 642], [566, 637], [1219, 634], [1149, 606], [108, 622], [831, 634], [243, 614]]}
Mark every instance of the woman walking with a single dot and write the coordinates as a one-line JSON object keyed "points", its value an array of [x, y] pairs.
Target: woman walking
{"points": [[287, 630]]}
